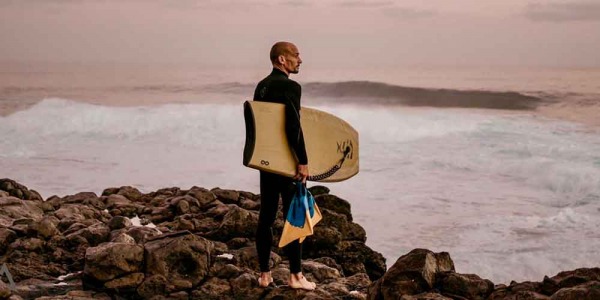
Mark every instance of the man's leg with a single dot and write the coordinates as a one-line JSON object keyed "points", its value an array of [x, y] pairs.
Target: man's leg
{"points": [[293, 250], [269, 201]]}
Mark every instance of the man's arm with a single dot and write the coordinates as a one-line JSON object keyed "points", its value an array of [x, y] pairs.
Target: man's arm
{"points": [[293, 129]]}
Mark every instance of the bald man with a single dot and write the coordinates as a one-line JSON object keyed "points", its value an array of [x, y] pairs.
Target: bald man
{"points": [[277, 87]]}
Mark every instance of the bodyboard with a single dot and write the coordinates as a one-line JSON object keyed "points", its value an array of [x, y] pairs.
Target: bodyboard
{"points": [[331, 143]]}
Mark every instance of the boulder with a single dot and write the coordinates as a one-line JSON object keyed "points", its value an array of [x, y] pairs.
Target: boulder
{"points": [[12, 208], [320, 272], [238, 222], [44, 228], [205, 197], [335, 204], [118, 222], [213, 289], [80, 198], [17, 190], [7, 236], [573, 278], [248, 258], [179, 256], [153, 285], [94, 234], [111, 260], [128, 282], [226, 196], [585, 291], [413, 273], [318, 190], [469, 286]]}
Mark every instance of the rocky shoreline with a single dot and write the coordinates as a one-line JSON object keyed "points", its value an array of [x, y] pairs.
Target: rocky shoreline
{"points": [[199, 244]]}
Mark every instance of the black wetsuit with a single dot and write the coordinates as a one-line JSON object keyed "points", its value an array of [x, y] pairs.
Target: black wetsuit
{"points": [[277, 87]]}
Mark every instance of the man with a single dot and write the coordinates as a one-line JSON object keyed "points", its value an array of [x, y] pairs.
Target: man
{"points": [[277, 87]]}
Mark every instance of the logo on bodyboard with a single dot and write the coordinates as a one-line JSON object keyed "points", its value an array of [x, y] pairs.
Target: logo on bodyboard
{"points": [[345, 147]]}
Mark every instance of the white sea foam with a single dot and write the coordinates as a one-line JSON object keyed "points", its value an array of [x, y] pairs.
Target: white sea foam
{"points": [[509, 196]]}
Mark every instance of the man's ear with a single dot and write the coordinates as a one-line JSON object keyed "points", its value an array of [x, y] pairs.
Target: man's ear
{"points": [[281, 59]]}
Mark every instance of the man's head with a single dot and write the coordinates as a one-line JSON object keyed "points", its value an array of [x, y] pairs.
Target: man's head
{"points": [[286, 57]]}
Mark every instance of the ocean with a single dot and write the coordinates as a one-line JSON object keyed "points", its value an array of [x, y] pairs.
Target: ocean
{"points": [[500, 167]]}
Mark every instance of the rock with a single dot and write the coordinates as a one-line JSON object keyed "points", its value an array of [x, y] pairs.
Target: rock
{"points": [[123, 238], [17, 190], [226, 196], [27, 244], [127, 282], [249, 204], [245, 286], [425, 296], [506, 294], [355, 232], [183, 207], [238, 222], [413, 273], [585, 291], [355, 253], [12, 208], [130, 193], [80, 198], [469, 286], [111, 260], [94, 234], [152, 285], [141, 233], [179, 256], [116, 200], [204, 197], [224, 270], [118, 222], [213, 289], [5, 291], [335, 204], [319, 271], [318, 190], [44, 228], [576, 277], [325, 237], [248, 258], [7, 236]]}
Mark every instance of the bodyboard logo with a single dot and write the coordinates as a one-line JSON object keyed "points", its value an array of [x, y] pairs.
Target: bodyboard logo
{"points": [[345, 147], [4, 271]]}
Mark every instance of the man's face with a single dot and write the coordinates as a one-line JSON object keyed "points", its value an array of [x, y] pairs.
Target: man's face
{"points": [[292, 60]]}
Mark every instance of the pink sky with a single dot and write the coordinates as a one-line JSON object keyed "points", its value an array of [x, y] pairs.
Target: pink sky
{"points": [[328, 33]]}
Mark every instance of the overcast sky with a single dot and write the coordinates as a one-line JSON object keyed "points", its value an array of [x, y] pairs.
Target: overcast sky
{"points": [[328, 32]]}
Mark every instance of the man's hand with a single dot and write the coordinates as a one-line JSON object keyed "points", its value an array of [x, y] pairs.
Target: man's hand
{"points": [[301, 173]]}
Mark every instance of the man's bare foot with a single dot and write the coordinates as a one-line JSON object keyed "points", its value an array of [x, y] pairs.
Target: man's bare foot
{"points": [[265, 279], [298, 281]]}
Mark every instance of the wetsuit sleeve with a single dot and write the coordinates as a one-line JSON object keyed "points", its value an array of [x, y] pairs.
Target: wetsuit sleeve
{"points": [[293, 128]]}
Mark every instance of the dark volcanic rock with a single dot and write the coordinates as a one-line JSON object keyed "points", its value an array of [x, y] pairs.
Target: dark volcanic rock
{"points": [[335, 204], [586, 291], [238, 222], [111, 260], [12, 208], [179, 256], [469, 286], [17, 190], [413, 273]]}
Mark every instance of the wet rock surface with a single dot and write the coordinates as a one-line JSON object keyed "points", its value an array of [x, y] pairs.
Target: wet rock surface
{"points": [[199, 244]]}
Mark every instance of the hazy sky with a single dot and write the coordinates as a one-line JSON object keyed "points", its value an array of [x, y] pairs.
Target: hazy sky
{"points": [[328, 32]]}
